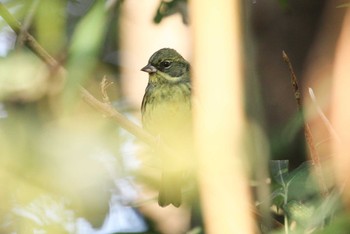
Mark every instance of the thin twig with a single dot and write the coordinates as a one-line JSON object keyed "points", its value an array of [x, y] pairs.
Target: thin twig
{"points": [[109, 111], [297, 93], [104, 86], [307, 131]]}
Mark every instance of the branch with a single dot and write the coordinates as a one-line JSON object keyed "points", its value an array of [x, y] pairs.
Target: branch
{"points": [[105, 108], [109, 111], [307, 131], [294, 80]]}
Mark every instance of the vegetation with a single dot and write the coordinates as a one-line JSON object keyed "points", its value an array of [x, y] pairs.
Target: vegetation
{"points": [[70, 142]]}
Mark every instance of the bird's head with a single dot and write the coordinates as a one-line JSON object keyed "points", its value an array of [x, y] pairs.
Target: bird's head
{"points": [[167, 66]]}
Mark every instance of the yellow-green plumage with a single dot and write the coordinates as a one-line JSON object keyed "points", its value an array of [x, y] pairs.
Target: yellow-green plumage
{"points": [[166, 113]]}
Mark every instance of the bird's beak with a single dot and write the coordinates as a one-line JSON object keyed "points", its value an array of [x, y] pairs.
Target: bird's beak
{"points": [[149, 69]]}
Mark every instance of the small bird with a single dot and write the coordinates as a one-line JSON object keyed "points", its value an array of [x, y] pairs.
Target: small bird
{"points": [[166, 113]]}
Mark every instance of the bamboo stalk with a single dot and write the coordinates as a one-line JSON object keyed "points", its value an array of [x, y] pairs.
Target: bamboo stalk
{"points": [[219, 117], [341, 110]]}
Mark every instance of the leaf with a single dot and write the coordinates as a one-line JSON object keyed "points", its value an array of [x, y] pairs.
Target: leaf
{"points": [[341, 224], [277, 197], [284, 3], [88, 35], [299, 212], [83, 54], [301, 183], [279, 171], [167, 8], [329, 205], [300, 172]]}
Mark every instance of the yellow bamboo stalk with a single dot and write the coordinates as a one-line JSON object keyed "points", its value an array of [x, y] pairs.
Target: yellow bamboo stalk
{"points": [[219, 118], [341, 110]]}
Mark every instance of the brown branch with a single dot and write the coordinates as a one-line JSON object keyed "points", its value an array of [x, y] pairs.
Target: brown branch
{"points": [[105, 108], [110, 112], [294, 80], [113, 114], [307, 131]]}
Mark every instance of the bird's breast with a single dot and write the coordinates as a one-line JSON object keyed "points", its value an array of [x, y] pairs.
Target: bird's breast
{"points": [[167, 110]]}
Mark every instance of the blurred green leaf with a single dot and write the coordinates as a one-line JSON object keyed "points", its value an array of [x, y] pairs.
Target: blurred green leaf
{"points": [[284, 136], [295, 185], [279, 170], [326, 209], [301, 171], [302, 184], [299, 212], [88, 35], [85, 47], [167, 8], [340, 225], [50, 24], [283, 3], [277, 197]]}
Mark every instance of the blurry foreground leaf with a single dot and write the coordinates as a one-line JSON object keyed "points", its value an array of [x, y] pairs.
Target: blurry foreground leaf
{"points": [[297, 184], [83, 54], [299, 212], [23, 77], [302, 182], [340, 225], [167, 8], [50, 20], [279, 170], [283, 3]]}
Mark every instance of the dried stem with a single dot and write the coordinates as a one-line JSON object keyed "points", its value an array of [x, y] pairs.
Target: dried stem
{"points": [[109, 111], [104, 86], [307, 131], [297, 93]]}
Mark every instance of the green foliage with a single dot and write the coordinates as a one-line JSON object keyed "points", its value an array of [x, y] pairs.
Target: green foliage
{"points": [[167, 8], [297, 194], [284, 3], [84, 50], [47, 158], [339, 225], [51, 169]]}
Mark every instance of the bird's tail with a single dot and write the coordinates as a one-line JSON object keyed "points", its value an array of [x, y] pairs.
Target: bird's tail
{"points": [[170, 189]]}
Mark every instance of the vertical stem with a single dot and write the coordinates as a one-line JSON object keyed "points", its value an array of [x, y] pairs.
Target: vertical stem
{"points": [[307, 131], [285, 201], [286, 221]]}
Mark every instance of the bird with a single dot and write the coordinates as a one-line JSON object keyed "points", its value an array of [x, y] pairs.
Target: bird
{"points": [[166, 114]]}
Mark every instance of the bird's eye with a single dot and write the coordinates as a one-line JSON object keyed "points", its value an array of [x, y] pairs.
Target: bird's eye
{"points": [[165, 64]]}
